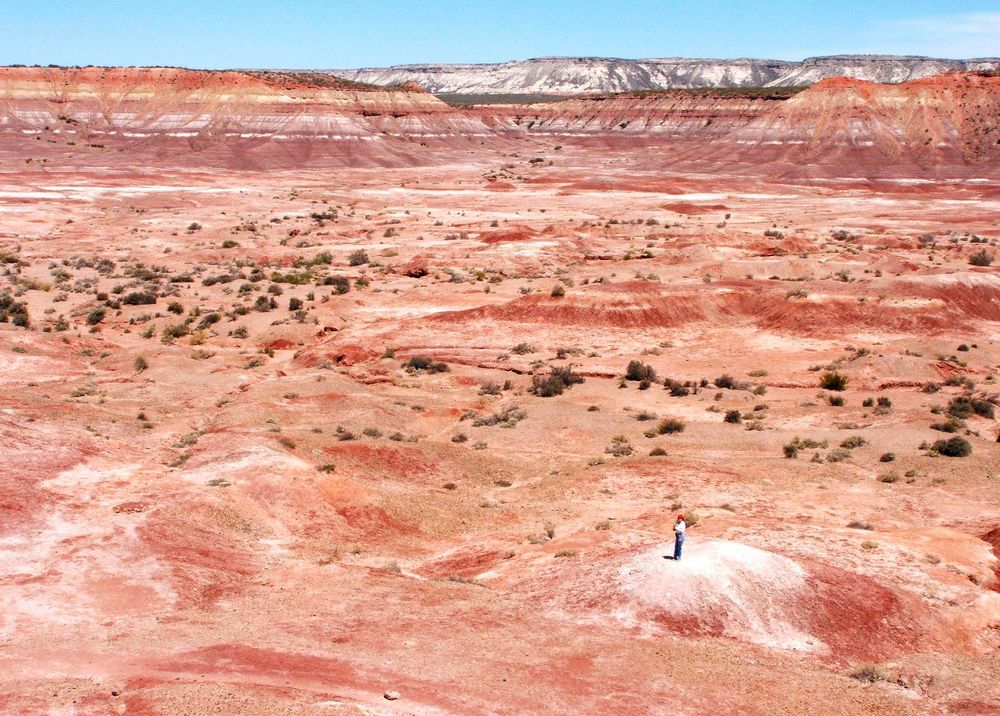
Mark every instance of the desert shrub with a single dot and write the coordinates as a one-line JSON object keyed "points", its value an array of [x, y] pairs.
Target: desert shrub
{"points": [[558, 291], [139, 298], [84, 390], [657, 452], [836, 401], [669, 426], [340, 284], [15, 312], [423, 363], [733, 416], [619, 447], [221, 278], [523, 348], [175, 331], [809, 443], [96, 316], [140, 364], [357, 258], [725, 381], [953, 447], [838, 455], [854, 441], [506, 418], [209, 319], [230, 244], [175, 307], [791, 450], [676, 388], [547, 386], [832, 380], [960, 381], [419, 363], [868, 674], [639, 371], [300, 278], [559, 379], [887, 457], [294, 304], [858, 525], [951, 425], [963, 407], [264, 304], [981, 258], [489, 387]]}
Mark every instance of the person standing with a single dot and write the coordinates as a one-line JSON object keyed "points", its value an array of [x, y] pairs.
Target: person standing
{"points": [[679, 529]]}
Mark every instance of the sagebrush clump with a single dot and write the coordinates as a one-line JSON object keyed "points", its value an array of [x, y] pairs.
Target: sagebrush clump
{"points": [[558, 380]]}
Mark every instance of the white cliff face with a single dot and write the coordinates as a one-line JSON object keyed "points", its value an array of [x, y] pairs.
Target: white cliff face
{"points": [[576, 75]]}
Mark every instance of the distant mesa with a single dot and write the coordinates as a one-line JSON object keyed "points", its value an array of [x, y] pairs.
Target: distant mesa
{"points": [[589, 75]]}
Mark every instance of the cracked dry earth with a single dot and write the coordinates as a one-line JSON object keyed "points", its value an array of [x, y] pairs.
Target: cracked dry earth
{"points": [[230, 482]]}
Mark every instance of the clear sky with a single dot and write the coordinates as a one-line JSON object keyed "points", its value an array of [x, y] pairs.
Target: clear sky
{"points": [[336, 34]]}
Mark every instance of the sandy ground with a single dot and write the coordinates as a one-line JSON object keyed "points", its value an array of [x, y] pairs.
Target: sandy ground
{"points": [[211, 508]]}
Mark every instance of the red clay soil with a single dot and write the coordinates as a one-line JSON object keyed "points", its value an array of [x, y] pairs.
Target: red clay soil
{"points": [[508, 235], [206, 562], [689, 209], [993, 538], [645, 305]]}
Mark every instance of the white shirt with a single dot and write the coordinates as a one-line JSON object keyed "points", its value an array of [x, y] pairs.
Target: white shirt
{"points": [[680, 527]]}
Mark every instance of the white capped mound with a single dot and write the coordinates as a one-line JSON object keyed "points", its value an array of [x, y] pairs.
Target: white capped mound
{"points": [[720, 587]]}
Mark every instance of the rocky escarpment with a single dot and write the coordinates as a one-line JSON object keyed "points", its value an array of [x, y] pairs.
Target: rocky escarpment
{"points": [[948, 123], [240, 119], [661, 115], [96, 117], [582, 75]]}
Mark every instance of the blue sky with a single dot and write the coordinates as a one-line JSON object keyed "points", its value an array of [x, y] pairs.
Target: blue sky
{"points": [[335, 34]]}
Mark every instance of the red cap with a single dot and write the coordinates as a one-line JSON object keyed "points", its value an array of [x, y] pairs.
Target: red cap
{"points": [[680, 517]]}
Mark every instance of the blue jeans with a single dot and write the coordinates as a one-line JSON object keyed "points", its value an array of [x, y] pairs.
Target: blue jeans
{"points": [[678, 546]]}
